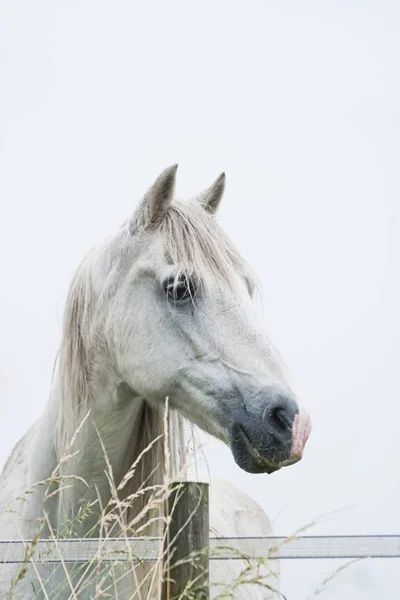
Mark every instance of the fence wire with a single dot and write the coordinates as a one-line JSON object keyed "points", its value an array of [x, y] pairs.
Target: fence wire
{"points": [[148, 549]]}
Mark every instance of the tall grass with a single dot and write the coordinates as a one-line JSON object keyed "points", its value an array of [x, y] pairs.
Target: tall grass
{"points": [[129, 577]]}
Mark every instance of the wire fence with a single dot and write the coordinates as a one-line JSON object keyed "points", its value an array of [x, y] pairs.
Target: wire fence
{"points": [[148, 549]]}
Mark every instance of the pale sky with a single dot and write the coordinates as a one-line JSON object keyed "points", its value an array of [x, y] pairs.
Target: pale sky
{"points": [[299, 103]]}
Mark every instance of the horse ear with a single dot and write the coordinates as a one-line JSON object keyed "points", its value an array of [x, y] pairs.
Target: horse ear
{"points": [[155, 202], [211, 197]]}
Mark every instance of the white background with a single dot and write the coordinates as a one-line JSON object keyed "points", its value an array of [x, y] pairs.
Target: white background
{"points": [[298, 101]]}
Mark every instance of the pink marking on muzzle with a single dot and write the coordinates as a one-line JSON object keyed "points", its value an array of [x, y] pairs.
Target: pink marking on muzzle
{"points": [[300, 433]]}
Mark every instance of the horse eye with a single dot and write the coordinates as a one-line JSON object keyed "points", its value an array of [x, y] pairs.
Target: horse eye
{"points": [[181, 290]]}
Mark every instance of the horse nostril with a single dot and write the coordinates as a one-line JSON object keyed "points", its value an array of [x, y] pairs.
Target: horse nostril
{"points": [[281, 417]]}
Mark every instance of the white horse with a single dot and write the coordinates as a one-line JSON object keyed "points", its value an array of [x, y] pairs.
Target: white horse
{"points": [[162, 309]]}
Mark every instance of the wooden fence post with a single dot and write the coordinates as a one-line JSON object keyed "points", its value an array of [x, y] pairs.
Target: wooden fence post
{"points": [[186, 545]]}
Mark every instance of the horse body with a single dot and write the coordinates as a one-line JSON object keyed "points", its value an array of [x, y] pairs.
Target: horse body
{"points": [[162, 310]]}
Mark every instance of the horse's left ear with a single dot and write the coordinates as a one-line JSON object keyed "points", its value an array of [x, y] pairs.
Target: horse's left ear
{"points": [[211, 197], [156, 201]]}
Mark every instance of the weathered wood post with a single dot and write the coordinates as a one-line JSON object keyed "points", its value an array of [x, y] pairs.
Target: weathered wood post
{"points": [[186, 545]]}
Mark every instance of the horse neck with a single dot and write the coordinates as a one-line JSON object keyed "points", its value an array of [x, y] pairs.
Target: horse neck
{"points": [[119, 428]]}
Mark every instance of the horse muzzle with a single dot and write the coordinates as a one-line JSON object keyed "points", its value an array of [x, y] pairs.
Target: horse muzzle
{"points": [[272, 437]]}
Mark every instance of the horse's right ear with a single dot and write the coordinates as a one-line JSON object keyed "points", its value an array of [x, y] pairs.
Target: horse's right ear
{"points": [[156, 201]]}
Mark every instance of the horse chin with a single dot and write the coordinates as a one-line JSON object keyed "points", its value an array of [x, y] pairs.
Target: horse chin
{"points": [[250, 461], [256, 466], [249, 464], [258, 469], [248, 458]]}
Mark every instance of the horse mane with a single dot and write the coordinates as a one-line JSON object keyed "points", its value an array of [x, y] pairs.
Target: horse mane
{"points": [[74, 357]]}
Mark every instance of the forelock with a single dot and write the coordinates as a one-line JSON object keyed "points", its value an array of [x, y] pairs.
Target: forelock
{"points": [[197, 245]]}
